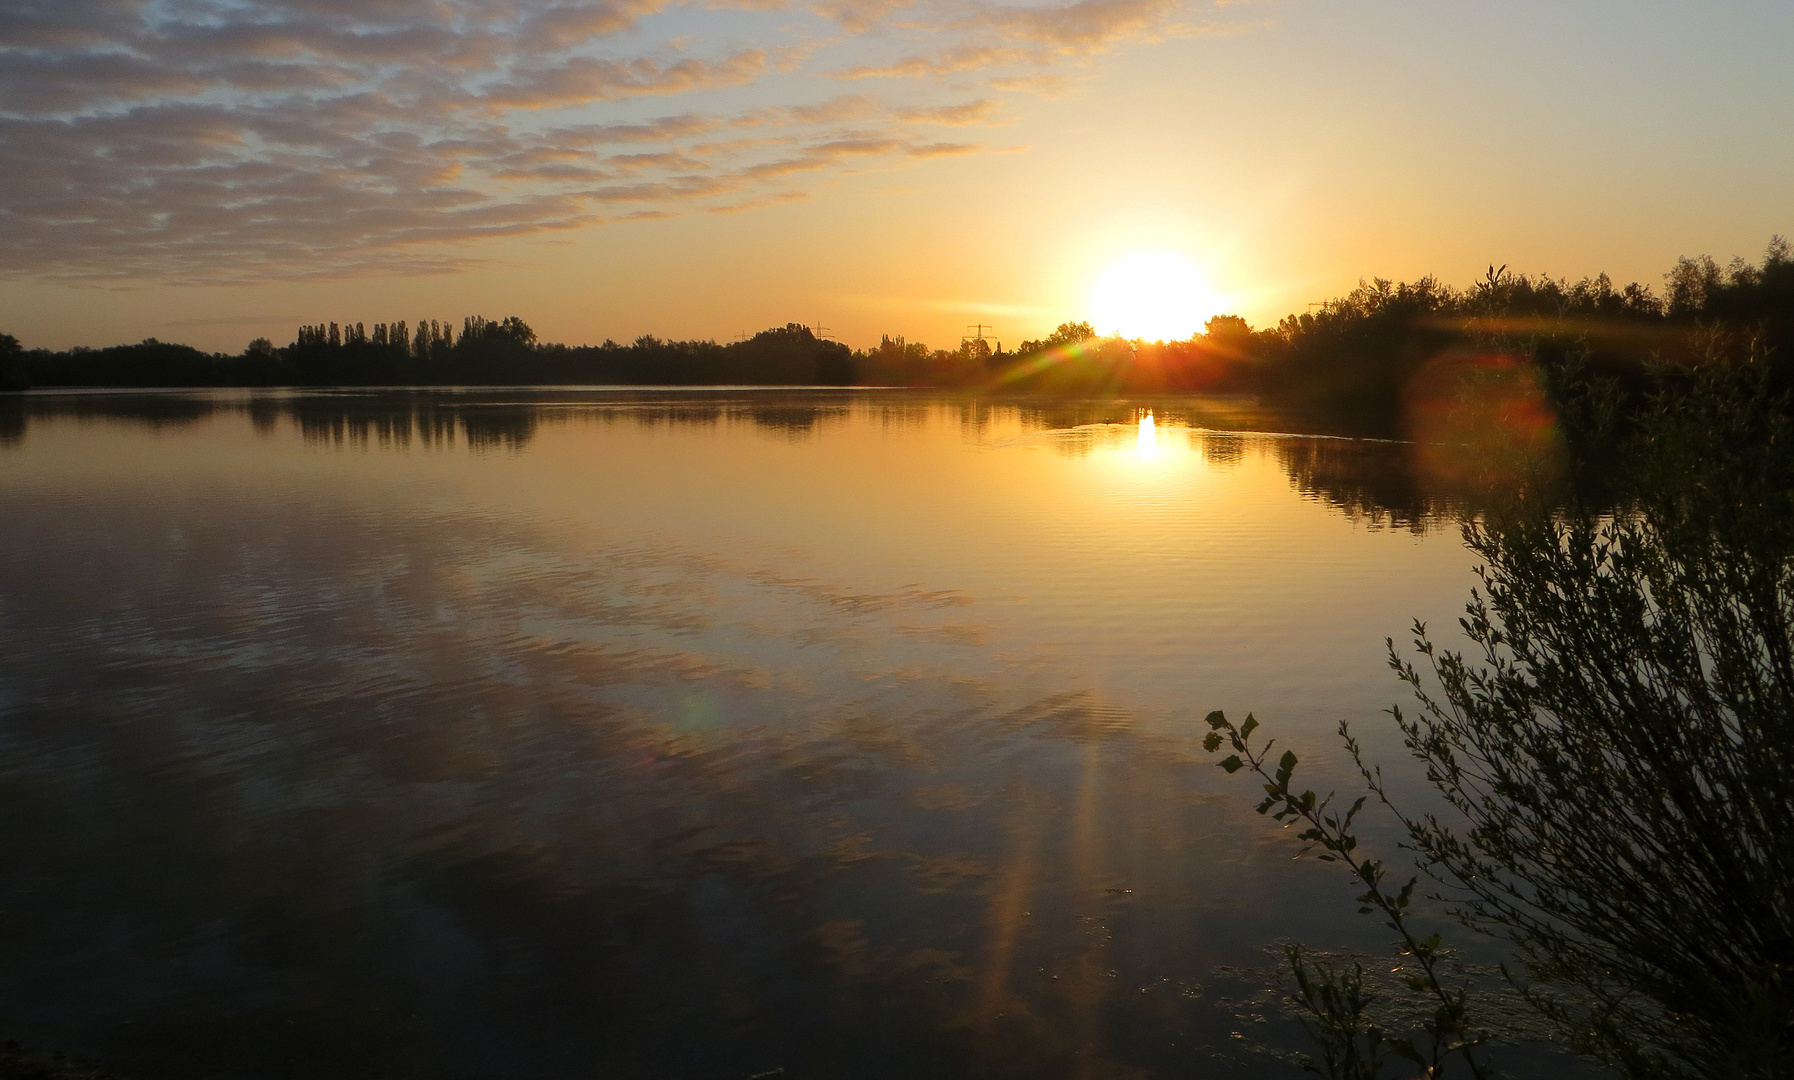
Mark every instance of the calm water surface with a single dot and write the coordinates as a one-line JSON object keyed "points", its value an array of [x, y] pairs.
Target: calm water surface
{"points": [[637, 734]]}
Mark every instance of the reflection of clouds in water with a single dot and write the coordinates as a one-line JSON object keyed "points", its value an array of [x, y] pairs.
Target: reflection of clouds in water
{"points": [[534, 778], [561, 782]]}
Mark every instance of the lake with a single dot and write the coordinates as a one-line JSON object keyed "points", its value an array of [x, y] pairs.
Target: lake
{"points": [[638, 733]]}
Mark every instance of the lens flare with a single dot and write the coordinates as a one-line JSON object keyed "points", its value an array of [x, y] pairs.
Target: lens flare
{"points": [[1482, 421]]}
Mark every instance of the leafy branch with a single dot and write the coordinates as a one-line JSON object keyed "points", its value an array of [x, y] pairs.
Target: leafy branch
{"points": [[1352, 1045]]}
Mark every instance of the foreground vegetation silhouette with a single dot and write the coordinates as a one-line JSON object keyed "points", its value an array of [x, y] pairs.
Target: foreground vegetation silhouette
{"points": [[1615, 757]]}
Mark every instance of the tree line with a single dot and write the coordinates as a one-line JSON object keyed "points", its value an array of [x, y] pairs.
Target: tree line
{"points": [[504, 352], [1358, 357]]}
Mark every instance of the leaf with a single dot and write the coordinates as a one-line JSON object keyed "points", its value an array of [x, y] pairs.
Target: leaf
{"points": [[1232, 763], [1217, 719], [1248, 726], [1212, 742], [1404, 1048]]}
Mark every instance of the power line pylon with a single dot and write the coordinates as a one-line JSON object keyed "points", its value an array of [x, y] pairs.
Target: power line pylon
{"points": [[976, 344]]}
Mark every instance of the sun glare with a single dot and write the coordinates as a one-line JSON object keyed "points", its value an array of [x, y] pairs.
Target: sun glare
{"points": [[1152, 295], [1146, 439]]}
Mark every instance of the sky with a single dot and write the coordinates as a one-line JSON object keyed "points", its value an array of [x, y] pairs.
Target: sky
{"points": [[210, 171]]}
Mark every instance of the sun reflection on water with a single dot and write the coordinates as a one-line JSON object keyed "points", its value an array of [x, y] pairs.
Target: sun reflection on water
{"points": [[1146, 442]]}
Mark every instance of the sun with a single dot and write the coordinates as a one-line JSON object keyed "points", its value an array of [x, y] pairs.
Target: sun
{"points": [[1153, 296]]}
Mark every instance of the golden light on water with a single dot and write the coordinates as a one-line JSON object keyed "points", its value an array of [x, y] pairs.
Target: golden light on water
{"points": [[1153, 296], [1146, 440]]}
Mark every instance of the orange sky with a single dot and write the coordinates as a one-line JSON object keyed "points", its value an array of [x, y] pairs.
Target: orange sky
{"points": [[208, 172]]}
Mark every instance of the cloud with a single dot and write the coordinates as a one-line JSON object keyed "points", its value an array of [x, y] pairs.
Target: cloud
{"points": [[948, 62], [1078, 28], [1047, 86], [40, 84], [662, 129], [857, 16], [768, 199], [583, 79], [1008, 36], [940, 149], [660, 161], [242, 140], [569, 24], [839, 107], [970, 112]]}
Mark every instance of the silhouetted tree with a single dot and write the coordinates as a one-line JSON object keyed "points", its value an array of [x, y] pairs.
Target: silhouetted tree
{"points": [[1071, 333], [1616, 758], [13, 373], [791, 354], [1228, 330], [895, 362]]}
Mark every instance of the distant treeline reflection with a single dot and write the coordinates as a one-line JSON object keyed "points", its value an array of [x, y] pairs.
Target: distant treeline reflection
{"points": [[1373, 481], [1358, 360]]}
